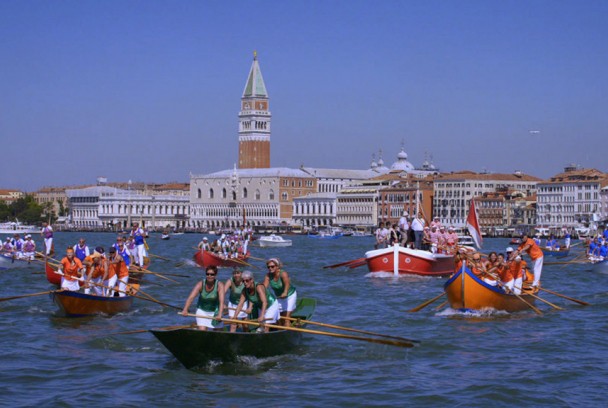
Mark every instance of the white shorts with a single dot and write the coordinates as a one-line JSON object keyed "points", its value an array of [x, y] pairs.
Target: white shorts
{"points": [[289, 303], [207, 321], [232, 308], [272, 313], [69, 285]]}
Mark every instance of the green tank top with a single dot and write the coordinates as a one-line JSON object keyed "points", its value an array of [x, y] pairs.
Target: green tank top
{"points": [[278, 287], [209, 301], [255, 300], [235, 292]]}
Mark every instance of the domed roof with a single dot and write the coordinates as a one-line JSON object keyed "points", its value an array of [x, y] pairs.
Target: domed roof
{"points": [[402, 164]]}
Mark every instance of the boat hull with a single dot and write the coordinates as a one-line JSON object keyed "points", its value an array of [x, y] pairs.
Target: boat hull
{"points": [[406, 261], [76, 304], [206, 258], [195, 348], [7, 261], [51, 276], [464, 290], [274, 242]]}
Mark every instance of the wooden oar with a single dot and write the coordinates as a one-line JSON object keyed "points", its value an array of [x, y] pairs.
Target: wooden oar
{"points": [[397, 343], [29, 295], [333, 326], [502, 285], [564, 296], [152, 273], [159, 257], [344, 263], [158, 273], [442, 304], [425, 304], [546, 301]]}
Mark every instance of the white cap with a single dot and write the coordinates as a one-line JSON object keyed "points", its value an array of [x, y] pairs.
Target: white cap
{"points": [[518, 258], [509, 249], [223, 236], [204, 238]]}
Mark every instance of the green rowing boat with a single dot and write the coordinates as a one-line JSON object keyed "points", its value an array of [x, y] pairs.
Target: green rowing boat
{"points": [[195, 348]]}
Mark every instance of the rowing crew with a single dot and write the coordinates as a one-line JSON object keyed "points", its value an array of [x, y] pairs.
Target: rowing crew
{"points": [[266, 301], [97, 271], [225, 247], [19, 248]]}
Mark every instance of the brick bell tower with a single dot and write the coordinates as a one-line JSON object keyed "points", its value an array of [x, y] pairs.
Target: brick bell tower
{"points": [[254, 122]]}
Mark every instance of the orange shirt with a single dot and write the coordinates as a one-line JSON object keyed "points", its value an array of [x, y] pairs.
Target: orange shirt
{"points": [[517, 270], [534, 251], [70, 269], [98, 270], [119, 268]]}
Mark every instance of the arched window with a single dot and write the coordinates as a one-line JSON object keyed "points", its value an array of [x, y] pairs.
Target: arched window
{"points": [[234, 196], [257, 195], [284, 196], [271, 195], [245, 192], [223, 193], [200, 194], [211, 193]]}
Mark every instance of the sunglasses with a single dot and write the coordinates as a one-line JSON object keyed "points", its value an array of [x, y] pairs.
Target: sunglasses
{"points": [[211, 274], [271, 266], [247, 280]]}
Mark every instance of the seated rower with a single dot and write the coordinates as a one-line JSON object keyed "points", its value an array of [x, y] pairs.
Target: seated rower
{"points": [[7, 247], [97, 267], [29, 248]]}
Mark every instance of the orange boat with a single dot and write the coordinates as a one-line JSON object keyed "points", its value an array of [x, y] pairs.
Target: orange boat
{"points": [[55, 279], [465, 290], [77, 304], [206, 258], [51, 276]]}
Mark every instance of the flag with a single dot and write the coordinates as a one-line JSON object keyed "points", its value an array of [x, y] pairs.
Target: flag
{"points": [[473, 225]]}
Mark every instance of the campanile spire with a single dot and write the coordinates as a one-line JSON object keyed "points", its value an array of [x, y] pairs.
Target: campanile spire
{"points": [[254, 121]]}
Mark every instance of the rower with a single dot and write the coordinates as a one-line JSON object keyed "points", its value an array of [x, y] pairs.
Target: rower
{"points": [[7, 247], [233, 287], [528, 245], [96, 267], [81, 250], [119, 271], [138, 235], [29, 247], [71, 268], [47, 235]]}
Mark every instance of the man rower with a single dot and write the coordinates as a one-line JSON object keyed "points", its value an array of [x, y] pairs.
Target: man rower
{"points": [[536, 254], [96, 268], [71, 268], [47, 235], [81, 250], [29, 248], [140, 249]]}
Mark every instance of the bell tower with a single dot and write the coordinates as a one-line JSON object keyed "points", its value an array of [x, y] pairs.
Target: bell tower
{"points": [[254, 122]]}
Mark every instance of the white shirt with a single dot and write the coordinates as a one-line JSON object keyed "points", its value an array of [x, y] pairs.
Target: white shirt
{"points": [[403, 224], [418, 224]]}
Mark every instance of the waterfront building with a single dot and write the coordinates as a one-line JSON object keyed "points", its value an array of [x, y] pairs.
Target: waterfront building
{"points": [[454, 191], [571, 198], [9, 196], [114, 208], [405, 193]]}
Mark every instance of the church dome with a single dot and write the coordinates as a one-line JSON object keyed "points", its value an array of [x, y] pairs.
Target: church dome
{"points": [[402, 164]]}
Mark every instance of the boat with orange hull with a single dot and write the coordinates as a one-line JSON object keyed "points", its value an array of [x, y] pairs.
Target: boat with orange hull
{"points": [[77, 304], [465, 290], [406, 261], [135, 275], [206, 258]]}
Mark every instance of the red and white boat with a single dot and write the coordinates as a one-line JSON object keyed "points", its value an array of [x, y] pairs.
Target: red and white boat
{"points": [[206, 258], [404, 261]]}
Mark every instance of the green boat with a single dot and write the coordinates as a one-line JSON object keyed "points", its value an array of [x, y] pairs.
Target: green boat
{"points": [[195, 348]]}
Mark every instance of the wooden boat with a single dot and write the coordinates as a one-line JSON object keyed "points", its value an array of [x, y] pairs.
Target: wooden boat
{"points": [[560, 253], [13, 261], [134, 275], [207, 258], [400, 260], [51, 276], [274, 241], [165, 236], [195, 348], [465, 290], [77, 304]]}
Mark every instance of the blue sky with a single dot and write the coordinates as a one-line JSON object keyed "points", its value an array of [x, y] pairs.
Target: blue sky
{"points": [[150, 90]]}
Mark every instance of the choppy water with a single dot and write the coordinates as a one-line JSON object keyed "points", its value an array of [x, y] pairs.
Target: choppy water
{"points": [[499, 359]]}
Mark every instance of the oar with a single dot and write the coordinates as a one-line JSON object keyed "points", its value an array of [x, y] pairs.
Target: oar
{"points": [[153, 273], [546, 301], [425, 304], [333, 326], [530, 305], [137, 297], [442, 304], [29, 295], [397, 343], [343, 263], [564, 296], [138, 290], [158, 273], [159, 257]]}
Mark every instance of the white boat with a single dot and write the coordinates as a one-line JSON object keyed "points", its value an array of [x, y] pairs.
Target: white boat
{"points": [[17, 228], [465, 240], [273, 241]]}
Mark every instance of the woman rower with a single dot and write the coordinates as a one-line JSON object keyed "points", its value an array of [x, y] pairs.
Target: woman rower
{"points": [[284, 291], [234, 287], [210, 305], [257, 295]]}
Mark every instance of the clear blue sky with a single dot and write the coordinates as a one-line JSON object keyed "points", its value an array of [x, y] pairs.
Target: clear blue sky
{"points": [[150, 90]]}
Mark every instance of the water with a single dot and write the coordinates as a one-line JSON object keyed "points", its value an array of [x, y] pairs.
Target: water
{"points": [[478, 359]]}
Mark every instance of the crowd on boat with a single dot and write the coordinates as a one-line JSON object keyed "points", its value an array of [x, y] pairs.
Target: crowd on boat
{"points": [[597, 247], [25, 248], [416, 234], [508, 271], [242, 297], [228, 246], [98, 271]]}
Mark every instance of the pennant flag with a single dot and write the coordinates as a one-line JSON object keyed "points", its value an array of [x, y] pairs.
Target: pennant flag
{"points": [[473, 225]]}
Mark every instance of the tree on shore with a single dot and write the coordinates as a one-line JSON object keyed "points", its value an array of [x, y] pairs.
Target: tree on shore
{"points": [[26, 210]]}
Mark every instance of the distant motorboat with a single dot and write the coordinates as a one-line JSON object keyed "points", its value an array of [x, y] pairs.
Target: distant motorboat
{"points": [[17, 228], [274, 241]]}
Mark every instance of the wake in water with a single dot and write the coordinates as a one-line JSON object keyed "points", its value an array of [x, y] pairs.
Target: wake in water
{"points": [[471, 313]]}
